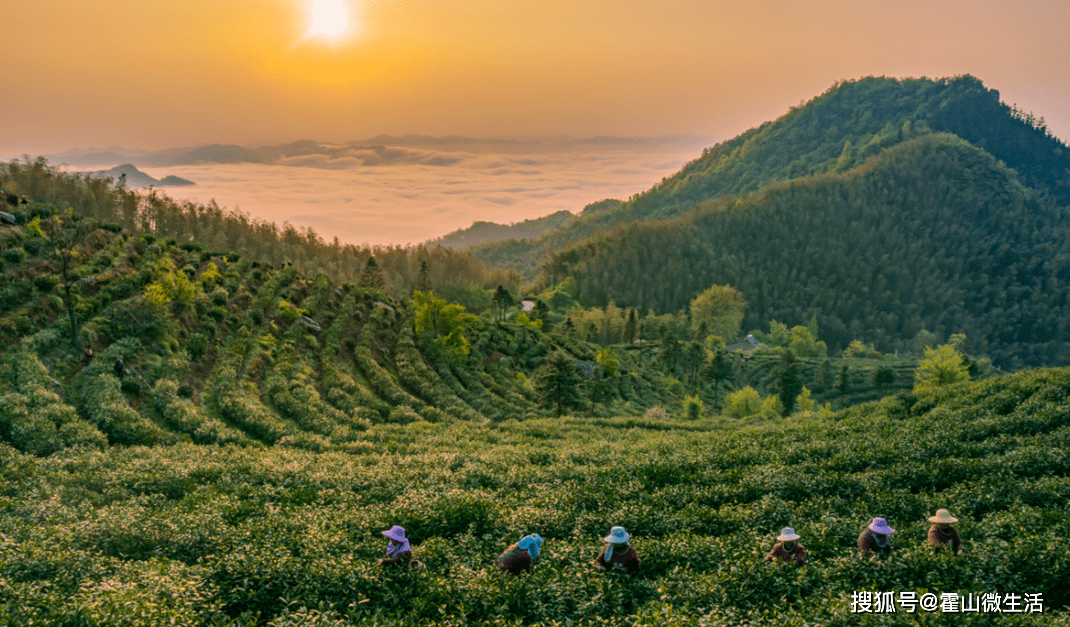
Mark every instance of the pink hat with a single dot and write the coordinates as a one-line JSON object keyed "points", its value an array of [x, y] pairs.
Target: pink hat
{"points": [[395, 533], [879, 525]]}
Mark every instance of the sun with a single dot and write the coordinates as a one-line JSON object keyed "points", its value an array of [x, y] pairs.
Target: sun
{"points": [[330, 19]]}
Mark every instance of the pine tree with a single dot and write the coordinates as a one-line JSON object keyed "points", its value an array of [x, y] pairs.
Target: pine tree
{"points": [[423, 280], [631, 327], [717, 368], [560, 384], [788, 382], [372, 275]]}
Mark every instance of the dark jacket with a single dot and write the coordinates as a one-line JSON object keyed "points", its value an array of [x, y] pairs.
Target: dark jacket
{"points": [[628, 560], [780, 554]]}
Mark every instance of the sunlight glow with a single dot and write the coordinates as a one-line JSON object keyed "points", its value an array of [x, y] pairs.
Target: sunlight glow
{"points": [[330, 19]]}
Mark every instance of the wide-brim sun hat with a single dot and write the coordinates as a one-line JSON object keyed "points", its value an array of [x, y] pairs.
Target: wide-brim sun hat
{"points": [[528, 539], [943, 516], [879, 525], [395, 533], [617, 535], [787, 534]]}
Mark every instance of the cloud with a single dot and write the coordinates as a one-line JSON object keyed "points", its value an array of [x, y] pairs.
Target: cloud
{"points": [[368, 156], [402, 195]]}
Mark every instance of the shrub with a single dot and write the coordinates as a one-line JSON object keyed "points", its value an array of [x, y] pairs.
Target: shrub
{"points": [[403, 414], [694, 408], [655, 413], [743, 403], [45, 282], [219, 297]]}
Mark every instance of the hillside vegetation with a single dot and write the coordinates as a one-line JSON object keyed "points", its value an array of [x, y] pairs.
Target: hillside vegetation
{"points": [[231, 535], [849, 123], [219, 349], [932, 234], [232, 231]]}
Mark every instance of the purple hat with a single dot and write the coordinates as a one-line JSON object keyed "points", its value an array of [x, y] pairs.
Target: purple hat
{"points": [[395, 533], [879, 525]]}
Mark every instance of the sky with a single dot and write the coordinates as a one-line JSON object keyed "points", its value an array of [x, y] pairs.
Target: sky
{"points": [[157, 74]]}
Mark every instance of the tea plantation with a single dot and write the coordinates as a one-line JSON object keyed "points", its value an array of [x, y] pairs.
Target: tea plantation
{"points": [[263, 427], [235, 535]]}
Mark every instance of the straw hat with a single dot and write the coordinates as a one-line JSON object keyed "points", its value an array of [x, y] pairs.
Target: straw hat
{"points": [[943, 516], [395, 533], [879, 525], [787, 534], [617, 535]]}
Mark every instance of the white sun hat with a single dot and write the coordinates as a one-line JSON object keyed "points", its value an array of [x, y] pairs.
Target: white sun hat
{"points": [[787, 534], [617, 535]]}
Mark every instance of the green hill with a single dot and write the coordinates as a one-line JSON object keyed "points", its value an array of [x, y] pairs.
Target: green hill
{"points": [[221, 349], [932, 234], [852, 121], [483, 232], [267, 424]]}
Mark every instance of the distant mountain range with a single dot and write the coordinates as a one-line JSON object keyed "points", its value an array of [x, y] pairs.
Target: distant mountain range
{"points": [[378, 150], [136, 178]]}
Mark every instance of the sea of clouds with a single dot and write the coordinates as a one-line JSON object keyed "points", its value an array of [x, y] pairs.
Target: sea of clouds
{"points": [[410, 194]]}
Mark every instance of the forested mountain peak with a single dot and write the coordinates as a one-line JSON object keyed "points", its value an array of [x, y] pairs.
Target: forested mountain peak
{"points": [[934, 234], [851, 122]]}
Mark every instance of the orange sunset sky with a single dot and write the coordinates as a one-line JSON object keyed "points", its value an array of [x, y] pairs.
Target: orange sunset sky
{"points": [[157, 74]]}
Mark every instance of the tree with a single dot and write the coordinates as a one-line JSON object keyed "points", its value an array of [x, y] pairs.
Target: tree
{"points": [[560, 383], [788, 382], [63, 232], [423, 280], [669, 351], [823, 378], [922, 341], [442, 326], [747, 402], [631, 327], [858, 350], [609, 362], [694, 408], [692, 358], [372, 275], [721, 308], [941, 368], [804, 344], [778, 335], [502, 300], [804, 402], [883, 377], [717, 368], [542, 313]]}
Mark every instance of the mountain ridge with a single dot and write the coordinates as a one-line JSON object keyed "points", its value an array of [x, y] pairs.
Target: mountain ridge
{"points": [[841, 128]]}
